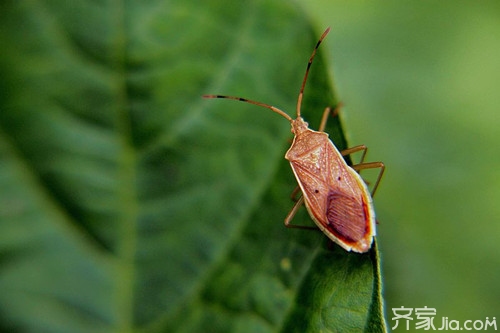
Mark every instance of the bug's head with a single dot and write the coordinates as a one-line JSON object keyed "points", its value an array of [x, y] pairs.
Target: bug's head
{"points": [[299, 125]]}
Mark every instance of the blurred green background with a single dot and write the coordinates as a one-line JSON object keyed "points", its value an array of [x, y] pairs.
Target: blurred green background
{"points": [[128, 202], [420, 82]]}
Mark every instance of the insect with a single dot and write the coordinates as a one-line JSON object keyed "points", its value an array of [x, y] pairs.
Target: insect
{"points": [[335, 195]]}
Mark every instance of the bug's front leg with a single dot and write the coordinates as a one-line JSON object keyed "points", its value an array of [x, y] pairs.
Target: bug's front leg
{"points": [[326, 115]]}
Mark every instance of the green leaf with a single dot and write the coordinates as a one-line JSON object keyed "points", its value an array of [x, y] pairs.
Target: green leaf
{"points": [[129, 203]]}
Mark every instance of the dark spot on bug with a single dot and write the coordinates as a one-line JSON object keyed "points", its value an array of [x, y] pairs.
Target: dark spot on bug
{"points": [[316, 191], [339, 178]]}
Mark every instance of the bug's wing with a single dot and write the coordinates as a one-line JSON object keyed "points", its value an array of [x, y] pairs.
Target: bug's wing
{"points": [[347, 216]]}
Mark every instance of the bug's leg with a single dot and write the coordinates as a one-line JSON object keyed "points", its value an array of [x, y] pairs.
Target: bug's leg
{"points": [[292, 213], [372, 165], [326, 114], [355, 149], [295, 194], [324, 119]]}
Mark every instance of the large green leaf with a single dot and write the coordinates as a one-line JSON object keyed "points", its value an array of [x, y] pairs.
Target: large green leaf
{"points": [[128, 203]]}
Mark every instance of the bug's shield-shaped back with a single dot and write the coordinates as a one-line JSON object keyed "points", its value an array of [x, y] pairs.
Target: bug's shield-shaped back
{"points": [[335, 195]]}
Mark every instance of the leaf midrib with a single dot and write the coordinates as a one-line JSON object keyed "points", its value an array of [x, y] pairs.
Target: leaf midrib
{"points": [[127, 203]]}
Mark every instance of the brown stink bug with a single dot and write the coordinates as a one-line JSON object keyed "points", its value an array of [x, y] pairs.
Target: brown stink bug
{"points": [[335, 195]]}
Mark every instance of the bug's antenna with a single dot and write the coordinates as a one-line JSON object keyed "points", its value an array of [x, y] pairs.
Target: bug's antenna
{"points": [[272, 108], [301, 93]]}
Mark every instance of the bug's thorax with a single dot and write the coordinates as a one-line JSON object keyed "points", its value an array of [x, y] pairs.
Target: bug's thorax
{"points": [[306, 142]]}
